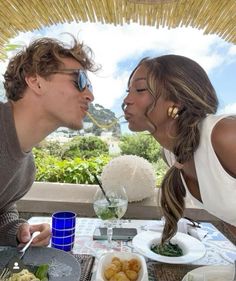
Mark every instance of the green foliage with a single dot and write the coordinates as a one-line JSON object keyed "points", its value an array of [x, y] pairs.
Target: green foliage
{"points": [[76, 160], [160, 168], [53, 169], [142, 145], [66, 163], [145, 146], [9, 47], [84, 147], [53, 148]]}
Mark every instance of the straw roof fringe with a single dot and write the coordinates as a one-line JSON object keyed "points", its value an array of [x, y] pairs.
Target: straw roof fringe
{"points": [[213, 16]]}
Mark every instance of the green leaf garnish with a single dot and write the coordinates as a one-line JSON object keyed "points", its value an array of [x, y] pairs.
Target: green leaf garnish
{"points": [[167, 249], [42, 272]]}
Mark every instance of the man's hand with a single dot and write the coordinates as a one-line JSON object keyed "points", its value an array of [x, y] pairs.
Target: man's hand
{"points": [[25, 231]]}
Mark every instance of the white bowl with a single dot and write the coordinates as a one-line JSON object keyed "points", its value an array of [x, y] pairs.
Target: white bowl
{"points": [[193, 249], [107, 259]]}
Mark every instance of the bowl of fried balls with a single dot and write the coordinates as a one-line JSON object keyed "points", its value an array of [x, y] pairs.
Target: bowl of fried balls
{"points": [[121, 266]]}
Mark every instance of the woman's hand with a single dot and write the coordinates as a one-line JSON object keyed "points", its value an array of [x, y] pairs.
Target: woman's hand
{"points": [[25, 231]]}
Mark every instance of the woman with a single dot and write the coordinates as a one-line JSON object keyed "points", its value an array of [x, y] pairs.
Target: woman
{"points": [[172, 97]]}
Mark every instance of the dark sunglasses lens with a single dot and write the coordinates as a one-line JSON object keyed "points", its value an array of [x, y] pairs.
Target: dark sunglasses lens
{"points": [[90, 87], [82, 81]]}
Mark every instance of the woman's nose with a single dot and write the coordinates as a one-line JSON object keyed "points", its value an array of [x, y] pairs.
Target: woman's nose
{"points": [[128, 99], [123, 106]]}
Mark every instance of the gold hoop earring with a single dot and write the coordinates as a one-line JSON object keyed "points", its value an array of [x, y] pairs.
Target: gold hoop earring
{"points": [[173, 112]]}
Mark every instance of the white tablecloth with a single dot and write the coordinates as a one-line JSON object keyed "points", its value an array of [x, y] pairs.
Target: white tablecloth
{"points": [[219, 249]]}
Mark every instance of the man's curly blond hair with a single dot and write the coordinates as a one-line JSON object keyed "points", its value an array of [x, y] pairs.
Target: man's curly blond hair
{"points": [[43, 57]]}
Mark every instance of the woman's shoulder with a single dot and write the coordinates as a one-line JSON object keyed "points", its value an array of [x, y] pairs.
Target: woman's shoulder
{"points": [[223, 139], [218, 134], [224, 132], [215, 124]]}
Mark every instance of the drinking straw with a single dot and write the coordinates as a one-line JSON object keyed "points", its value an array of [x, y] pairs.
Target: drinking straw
{"points": [[103, 191]]}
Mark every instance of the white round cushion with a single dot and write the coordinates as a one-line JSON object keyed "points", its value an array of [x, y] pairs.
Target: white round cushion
{"points": [[135, 173]]}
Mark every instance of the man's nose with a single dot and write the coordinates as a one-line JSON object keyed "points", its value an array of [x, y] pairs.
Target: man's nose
{"points": [[89, 95]]}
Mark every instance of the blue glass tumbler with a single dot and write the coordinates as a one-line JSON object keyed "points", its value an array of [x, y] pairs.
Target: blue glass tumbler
{"points": [[63, 230]]}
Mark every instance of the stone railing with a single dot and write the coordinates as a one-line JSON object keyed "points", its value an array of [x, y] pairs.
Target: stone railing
{"points": [[45, 198]]}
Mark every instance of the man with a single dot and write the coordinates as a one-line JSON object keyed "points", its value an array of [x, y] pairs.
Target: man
{"points": [[47, 87]]}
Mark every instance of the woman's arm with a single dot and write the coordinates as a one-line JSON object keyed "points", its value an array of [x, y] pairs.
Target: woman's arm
{"points": [[224, 143]]}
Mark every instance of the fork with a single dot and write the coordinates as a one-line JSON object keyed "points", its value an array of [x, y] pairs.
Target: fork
{"points": [[4, 274], [193, 223], [7, 269], [23, 250]]}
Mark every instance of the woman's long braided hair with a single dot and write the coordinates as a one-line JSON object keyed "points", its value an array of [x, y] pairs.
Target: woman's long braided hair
{"points": [[184, 81]]}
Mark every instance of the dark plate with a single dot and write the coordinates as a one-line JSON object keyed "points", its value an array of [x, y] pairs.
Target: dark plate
{"points": [[62, 265]]}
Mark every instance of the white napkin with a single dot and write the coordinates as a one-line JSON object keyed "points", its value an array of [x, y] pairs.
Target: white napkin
{"points": [[184, 226], [154, 226]]}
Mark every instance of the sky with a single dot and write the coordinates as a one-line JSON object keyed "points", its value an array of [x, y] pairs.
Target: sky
{"points": [[118, 49]]}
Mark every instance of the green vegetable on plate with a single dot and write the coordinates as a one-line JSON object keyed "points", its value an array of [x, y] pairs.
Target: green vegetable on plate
{"points": [[42, 272], [167, 249]]}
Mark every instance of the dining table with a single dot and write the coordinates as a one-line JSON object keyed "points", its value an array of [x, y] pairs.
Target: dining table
{"points": [[219, 250]]}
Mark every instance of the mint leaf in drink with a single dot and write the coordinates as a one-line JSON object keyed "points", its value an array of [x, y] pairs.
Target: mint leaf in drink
{"points": [[108, 213]]}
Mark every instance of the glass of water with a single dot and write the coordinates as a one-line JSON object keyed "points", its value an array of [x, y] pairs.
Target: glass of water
{"points": [[110, 207]]}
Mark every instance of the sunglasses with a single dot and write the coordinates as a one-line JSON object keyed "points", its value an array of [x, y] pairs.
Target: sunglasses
{"points": [[81, 82]]}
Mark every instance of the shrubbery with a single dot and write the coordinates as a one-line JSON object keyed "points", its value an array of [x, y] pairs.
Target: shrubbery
{"points": [[84, 147], [78, 159], [142, 145], [73, 162], [77, 147], [53, 169]]}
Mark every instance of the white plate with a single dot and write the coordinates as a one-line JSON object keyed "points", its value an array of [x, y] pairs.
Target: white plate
{"points": [[107, 258], [62, 265], [211, 273], [192, 248]]}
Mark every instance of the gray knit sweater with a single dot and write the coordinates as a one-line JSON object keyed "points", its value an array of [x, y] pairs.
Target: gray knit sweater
{"points": [[17, 171]]}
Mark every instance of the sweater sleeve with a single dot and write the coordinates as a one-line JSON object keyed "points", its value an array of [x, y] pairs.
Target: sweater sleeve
{"points": [[9, 224]]}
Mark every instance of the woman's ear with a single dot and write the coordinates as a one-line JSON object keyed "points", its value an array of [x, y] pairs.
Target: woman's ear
{"points": [[33, 83]]}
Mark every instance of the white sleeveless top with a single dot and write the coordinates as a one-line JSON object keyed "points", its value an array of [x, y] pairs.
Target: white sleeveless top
{"points": [[217, 187]]}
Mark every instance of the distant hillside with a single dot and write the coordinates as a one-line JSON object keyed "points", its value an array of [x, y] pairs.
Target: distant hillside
{"points": [[103, 116]]}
